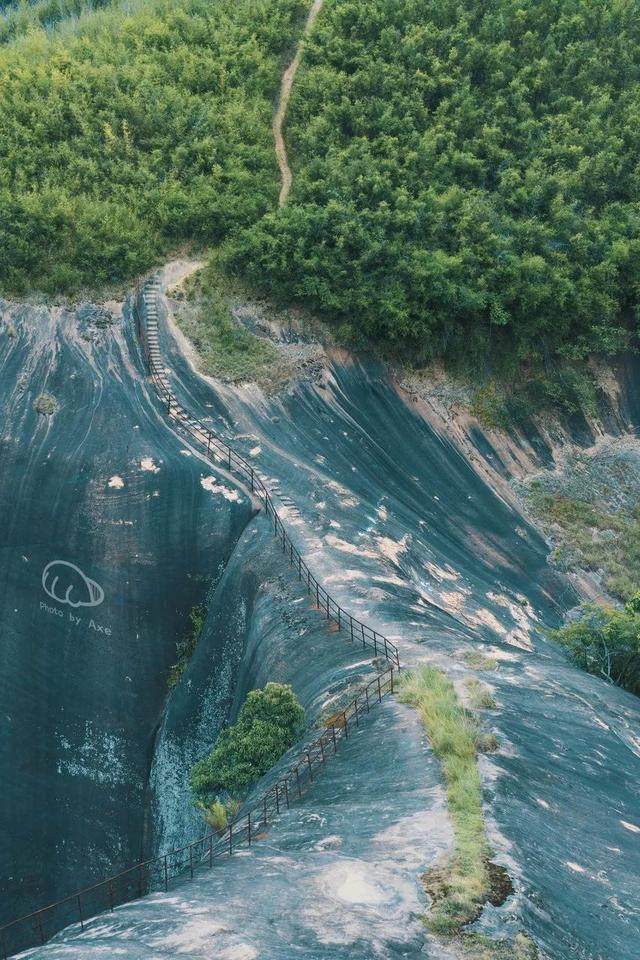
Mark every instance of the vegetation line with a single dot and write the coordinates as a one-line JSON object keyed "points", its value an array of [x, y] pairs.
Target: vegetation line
{"points": [[285, 91], [460, 885]]}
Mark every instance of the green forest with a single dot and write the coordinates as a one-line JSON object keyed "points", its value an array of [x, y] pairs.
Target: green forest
{"points": [[131, 134], [465, 174]]}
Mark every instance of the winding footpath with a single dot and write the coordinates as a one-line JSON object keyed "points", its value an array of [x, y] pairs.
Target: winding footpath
{"points": [[286, 177]]}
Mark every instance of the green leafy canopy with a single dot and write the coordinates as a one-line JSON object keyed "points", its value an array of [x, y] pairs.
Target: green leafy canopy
{"points": [[269, 723]]}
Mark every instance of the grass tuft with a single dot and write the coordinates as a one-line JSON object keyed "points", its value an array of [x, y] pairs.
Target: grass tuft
{"points": [[477, 660], [460, 885], [480, 697], [227, 350]]}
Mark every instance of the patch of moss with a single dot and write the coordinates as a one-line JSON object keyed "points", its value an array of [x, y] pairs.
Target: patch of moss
{"points": [[227, 349], [185, 647], [589, 537], [45, 404], [476, 946]]}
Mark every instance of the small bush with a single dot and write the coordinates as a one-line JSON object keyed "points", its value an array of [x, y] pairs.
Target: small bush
{"points": [[45, 404], [268, 724], [218, 814], [606, 643], [186, 647]]}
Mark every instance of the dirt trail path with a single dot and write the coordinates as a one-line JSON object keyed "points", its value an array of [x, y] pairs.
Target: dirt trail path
{"points": [[286, 83]]}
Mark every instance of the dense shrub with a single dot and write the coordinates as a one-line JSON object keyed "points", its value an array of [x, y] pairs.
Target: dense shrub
{"points": [[606, 642], [465, 176], [268, 724]]}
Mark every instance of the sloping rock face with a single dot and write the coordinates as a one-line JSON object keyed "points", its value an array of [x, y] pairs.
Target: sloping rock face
{"points": [[421, 540], [109, 533]]}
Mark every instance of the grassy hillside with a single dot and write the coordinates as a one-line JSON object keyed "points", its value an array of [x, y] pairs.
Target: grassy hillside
{"points": [[133, 133], [466, 176]]}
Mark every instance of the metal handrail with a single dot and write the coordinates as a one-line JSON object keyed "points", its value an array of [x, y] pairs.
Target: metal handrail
{"points": [[217, 450], [157, 872]]}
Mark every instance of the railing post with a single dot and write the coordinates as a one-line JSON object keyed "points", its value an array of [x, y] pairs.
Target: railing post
{"points": [[327, 606], [277, 800], [140, 883], [80, 912], [366, 696], [298, 783], [322, 749], [391, 679], [264, 802], [40, 930], [249, 827], [351, 627], [210, 852], [379, 691], [229, 448], [111, 895], [364, 642], [346, 728], [355, 705], [286, 792], [191, 860], [333, 731], [231, 838], [166, 874], [310, 767], [251, 479]]}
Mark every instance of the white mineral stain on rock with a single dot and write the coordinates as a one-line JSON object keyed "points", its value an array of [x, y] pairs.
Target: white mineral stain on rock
{"points": [[575, 867], [345, 547], [630, 826], [211, 484], [346, 497], [255, 451], [116, 482], [351, 883], [392, 548], [149, 464], [441, 573]]}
